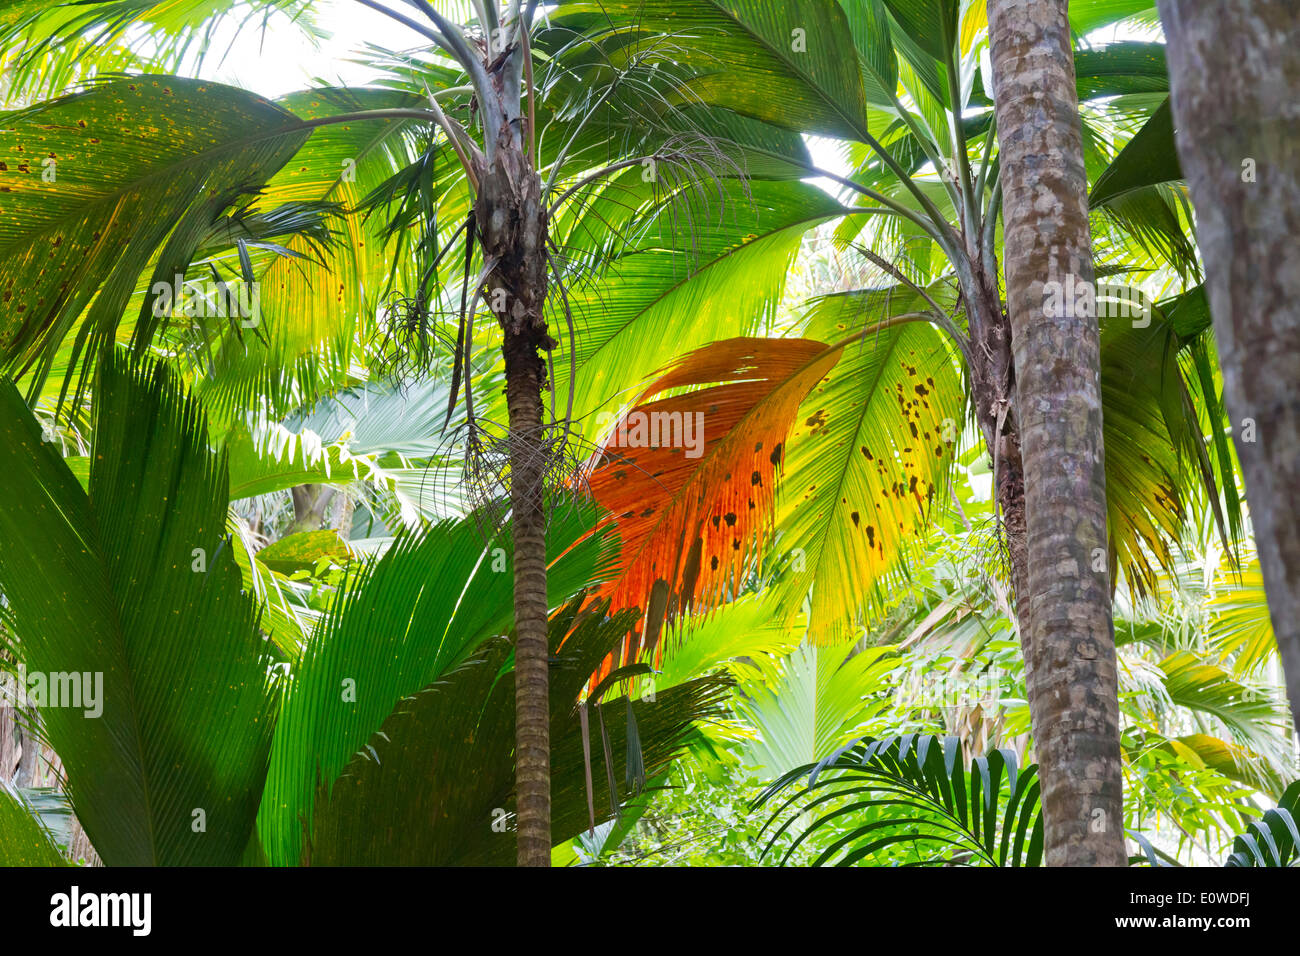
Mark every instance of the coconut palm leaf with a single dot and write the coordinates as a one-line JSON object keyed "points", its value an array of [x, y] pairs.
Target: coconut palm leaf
{"points": [[445, 755], [398, 626], [134, 585], [912, 791], [23, 840]]}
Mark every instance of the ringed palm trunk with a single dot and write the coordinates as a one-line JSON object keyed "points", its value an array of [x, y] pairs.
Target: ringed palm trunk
{"points": [[1070, 649], [1234, 70], [513, 230]]}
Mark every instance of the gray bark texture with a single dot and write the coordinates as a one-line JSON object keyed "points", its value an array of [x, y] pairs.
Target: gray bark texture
{"points": [[1234, 69], [1070, 649]]}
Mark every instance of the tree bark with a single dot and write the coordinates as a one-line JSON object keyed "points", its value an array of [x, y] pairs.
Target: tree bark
{"points": [[1234, 70], [310, 504], [513, 231], [993, 388], [1070, 663]]}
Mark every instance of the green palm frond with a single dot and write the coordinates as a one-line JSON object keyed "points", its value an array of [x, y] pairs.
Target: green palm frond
{"points": [[403, 623], [94, 195], [728, 278], [822, 698], [1256, 717], [741, 637], [869, 452], [317, 301], [815, 86], [23, 840], [1274, 839], [440, 773], [911, 792], [133, 588], [1240, 625], [51, 45]]}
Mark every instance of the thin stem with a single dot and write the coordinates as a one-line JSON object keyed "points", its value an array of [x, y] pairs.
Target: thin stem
{"points": [[940, 222], [592, 177], [989, 234], [559, 159], [944, 236], [461, 51], [456, 41], [986, 161], [487, 19], [573, 357], [930, 151], [418, 27], [526, 51], [454, 133], [959, 146], [941, 314]]}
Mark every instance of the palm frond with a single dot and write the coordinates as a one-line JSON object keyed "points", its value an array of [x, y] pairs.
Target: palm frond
{"points": [[445, 755], [401, 624], [912, 792], [133, 591]]}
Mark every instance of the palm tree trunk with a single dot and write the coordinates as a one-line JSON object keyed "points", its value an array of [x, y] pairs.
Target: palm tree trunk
{"points": [[513, 231], [1234, 70], [532, 691], [1070, 668], [310, 504]]}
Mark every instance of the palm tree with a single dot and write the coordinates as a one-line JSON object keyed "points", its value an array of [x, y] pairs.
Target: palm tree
{"points": [[1235, 75], [1066, 622], [200, 753], [510, 223], [929, 174], [599, 78], [546, 153]]}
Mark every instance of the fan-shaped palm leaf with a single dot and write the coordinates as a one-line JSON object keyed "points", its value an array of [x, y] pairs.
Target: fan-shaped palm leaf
{"points": [[397, 627], [133, 589], [913, 791], [439, 772]]}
